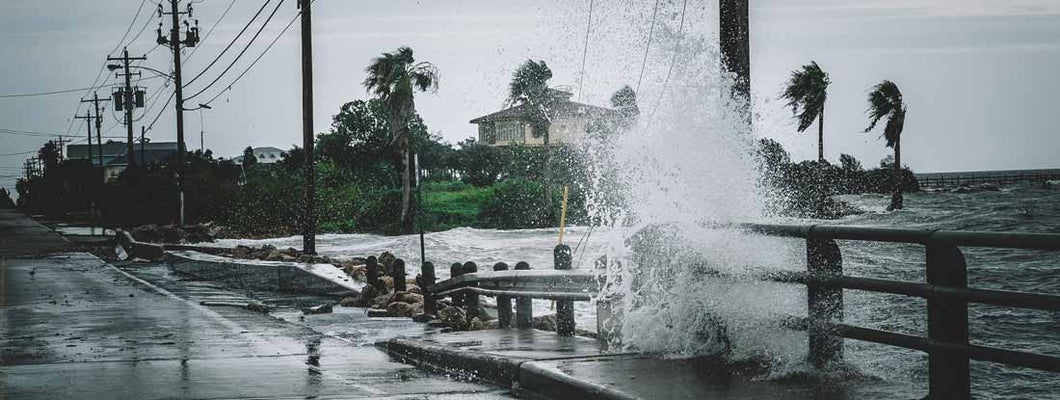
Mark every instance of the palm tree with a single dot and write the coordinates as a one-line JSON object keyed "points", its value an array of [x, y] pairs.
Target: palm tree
{"points": [[807, 90], [394, 78], [885, 100], [529, 88]]}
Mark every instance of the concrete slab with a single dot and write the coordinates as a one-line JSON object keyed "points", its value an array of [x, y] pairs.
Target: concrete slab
{"points": [[323, 279]]}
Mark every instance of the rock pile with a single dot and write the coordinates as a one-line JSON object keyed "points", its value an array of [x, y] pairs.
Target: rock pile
{"points": [[152, 233]]}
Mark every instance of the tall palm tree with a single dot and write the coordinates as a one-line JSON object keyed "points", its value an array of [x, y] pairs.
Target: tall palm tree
{"points": [[394, 78], [885, 101], [529, 88], [807, 91]]}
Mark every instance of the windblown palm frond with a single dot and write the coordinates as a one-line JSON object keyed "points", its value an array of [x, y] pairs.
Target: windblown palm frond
{"points": [[529, 84], [885, 101], [807, 91]]}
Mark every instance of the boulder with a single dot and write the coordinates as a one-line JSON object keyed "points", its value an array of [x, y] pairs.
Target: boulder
{"points": [[406, 297], [386, 260], [453, 317], [242, 251], [414, 289], [387, 282], [349, 301], [399, 309], [274, 255], [381, 301], [545, 322]]}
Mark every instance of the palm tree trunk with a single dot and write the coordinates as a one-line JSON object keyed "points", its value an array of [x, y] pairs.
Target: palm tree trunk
{"points": [[820, 136], [550, 214], [896, 197]]}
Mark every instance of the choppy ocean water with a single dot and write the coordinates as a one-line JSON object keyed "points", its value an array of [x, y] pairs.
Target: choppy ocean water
{"points": [[1019, 208]]}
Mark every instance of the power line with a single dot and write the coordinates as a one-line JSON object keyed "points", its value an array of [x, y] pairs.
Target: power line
{"points": [[585, 51], [232, 42], [677, 50], [651, 32], [267, 48], [63, 91], [129, 29], [207, 35], [245, 48]]}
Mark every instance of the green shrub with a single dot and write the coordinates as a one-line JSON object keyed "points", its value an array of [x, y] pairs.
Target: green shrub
{"points": [[516, 203]]}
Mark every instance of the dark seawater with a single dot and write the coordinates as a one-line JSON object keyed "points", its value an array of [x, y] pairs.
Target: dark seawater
{"points": [[1019, 208]]}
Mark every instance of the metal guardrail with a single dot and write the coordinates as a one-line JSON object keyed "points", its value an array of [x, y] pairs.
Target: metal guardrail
{"points": [[946, 291], [941, 180]]}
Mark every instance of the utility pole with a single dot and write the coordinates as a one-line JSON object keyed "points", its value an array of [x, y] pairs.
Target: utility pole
{"points": [[99, 128], [143, 131], [128, 100], [61, 143], [309, 215], [174, 42], [736, 49], [88, 123]]}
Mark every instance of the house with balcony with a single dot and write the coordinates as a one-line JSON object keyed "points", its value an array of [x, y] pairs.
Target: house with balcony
{"points": [[569, 123]]}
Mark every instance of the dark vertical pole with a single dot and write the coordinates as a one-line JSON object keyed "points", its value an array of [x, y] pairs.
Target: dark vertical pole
{"points": [[178, 84], [949, 375], [127, 99], [736, 48], [371, 272], [99, 128], [143, 131], [455, 270], [88, 122], [309, 245], [524, 306], [419, 207], [397, 272], [427, 277], [561, 256], [504, 303], [471, 298], [825, 304]]}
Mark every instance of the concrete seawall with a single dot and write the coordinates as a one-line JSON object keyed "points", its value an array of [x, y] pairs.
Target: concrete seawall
{"points": [[323, 279]]}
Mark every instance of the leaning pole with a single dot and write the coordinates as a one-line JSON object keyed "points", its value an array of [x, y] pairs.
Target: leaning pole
{"points": [[736, 50]]}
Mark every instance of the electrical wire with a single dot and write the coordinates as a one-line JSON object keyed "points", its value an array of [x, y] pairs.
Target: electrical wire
{"points": [[673, 61], [207, 35], [267, 48], [245, 48], [231, 43], [651, 32], [585, 51]]}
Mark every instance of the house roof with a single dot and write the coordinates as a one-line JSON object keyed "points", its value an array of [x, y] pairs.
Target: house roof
{"points": [[564, 109]]}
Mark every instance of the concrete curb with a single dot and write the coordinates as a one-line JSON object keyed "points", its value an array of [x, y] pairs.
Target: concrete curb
{"points": [[323, 279], [526, 376]]}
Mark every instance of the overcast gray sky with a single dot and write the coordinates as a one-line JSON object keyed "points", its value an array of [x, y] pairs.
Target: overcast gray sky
{"points": [[980, 76]]}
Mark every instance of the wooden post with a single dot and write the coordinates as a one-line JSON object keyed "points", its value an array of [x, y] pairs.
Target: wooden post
{"points": [[561, 256], [504, 303], [524, 306], [471, 298], [397, 273], [371, 272], [949, 375], [430, 304], [825, 304], [455, 270]]}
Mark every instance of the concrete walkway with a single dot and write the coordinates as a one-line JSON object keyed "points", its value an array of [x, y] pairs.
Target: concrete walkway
{"points": [[73, 326]]}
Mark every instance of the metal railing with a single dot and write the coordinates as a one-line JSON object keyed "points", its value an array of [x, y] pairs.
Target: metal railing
{"points": [[946, 291], [941, 180]]}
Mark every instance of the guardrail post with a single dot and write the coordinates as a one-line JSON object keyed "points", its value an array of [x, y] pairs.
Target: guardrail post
{"points": [[524, 307], [455, 270], [371, 272], [397, 272], [949, 375], [471, 298], [504, 303], [561, 256], [430, 304], [825, 304]]}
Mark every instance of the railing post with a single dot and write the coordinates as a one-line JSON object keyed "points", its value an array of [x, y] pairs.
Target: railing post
{"points": [[430, 304], [455, 270], [504, 303], [949, 375], [524, 307], [371, 273], [561, 256], [397, 272], [471, 298], [825, 304]]}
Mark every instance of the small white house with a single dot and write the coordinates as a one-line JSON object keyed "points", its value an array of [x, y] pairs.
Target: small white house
{"points": [[265, 155]]}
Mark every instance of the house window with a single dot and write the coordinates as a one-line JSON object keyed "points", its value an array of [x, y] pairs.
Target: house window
{"points": [[485, 133], [510, 131]]}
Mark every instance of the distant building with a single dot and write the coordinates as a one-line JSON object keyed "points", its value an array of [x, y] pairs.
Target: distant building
{"points": [[569, 122], [265, 155], [115, 155]]}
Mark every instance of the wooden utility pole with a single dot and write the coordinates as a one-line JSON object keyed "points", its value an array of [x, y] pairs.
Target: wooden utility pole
{"points": [[88, 123], [736, 49], [128, 100], [174, 42], [99, 128], [308, 215]]}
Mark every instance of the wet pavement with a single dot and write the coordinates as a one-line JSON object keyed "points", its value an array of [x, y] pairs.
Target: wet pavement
{"points": [[72, 326]]}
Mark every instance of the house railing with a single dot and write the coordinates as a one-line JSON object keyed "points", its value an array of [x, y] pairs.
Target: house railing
{"points": [[946, 291]]}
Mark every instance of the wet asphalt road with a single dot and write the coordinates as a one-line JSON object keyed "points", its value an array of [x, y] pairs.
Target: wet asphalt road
{"points": [[72, 326]]}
